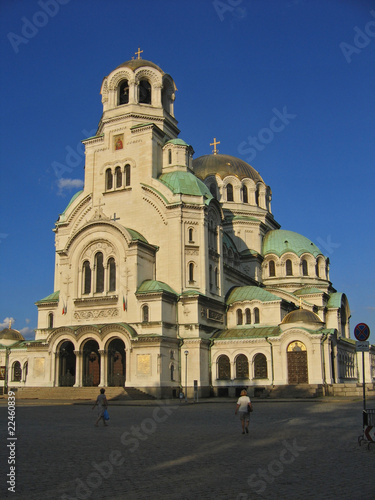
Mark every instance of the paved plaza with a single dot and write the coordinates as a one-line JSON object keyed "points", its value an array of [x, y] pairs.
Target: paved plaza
{"points": [[172, 450]]}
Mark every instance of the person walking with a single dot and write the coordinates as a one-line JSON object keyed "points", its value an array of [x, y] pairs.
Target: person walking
{"points": [[243, 407], [102, 403]]}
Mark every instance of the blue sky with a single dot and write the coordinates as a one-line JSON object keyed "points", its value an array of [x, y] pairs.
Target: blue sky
{"points": [[236, 64]]}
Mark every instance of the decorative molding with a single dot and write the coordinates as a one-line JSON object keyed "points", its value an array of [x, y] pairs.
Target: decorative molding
{"points": [[99, 313]]}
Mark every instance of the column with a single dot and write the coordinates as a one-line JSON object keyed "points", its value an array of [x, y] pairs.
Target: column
{"points": [[78, 382], [103, 367]]}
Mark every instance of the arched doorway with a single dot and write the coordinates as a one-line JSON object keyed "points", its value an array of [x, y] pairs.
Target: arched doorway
{"points": [[297, 363], [91, 364], [67, 362], [116, 363]]}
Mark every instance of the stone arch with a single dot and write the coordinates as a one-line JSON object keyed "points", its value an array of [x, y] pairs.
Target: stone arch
{"points": [[66, 363]]}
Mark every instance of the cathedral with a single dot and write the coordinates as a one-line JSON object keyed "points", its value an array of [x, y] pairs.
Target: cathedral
{"points": [[172, 273]]}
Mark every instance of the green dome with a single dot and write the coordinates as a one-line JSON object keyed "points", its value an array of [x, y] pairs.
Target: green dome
{"points": [[185, 183], [280, 241], [178, 142]]}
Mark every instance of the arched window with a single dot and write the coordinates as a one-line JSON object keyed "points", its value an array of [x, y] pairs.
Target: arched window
{"points": [[256, 316], [271, 268], [213, 189], [260, 366], [210, 275], [50, 320], [25, 370], [118, 176], [108, 179], [144, 92], [242, 366], [191, 272], [244, 194], [127, 175], [172, 372], [229, 192], [145, 314], [247, 316], [216, 277], [86, 277], [305, 269], [16, 372], [112, 274], [124, 92], [239, 317], [223, 367], [169, 157], [191, 233], [317, 269], [289, 268], [99, 272], [257, 197]]}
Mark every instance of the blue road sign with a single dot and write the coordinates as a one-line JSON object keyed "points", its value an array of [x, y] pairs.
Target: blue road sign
{"points": [[362, 332]]}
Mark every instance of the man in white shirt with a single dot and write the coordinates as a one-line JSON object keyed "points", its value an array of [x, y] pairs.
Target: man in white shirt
{"points": [[242, 406]]}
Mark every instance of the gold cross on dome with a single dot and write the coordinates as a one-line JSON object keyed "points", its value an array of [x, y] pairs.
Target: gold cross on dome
{"points": [[139, 53], [10, 324], [215, 151]]}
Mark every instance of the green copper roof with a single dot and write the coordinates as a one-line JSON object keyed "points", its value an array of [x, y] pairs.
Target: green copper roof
{"points": [[335, 300], [280, 241], [53, 297], [253, 332], [241, 217], [178, 142], [242, 293], [307, 291], [185, 183], [72, 199], [154, 286], [135, 235]]}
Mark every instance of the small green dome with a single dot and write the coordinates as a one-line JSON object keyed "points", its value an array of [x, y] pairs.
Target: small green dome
{"points": [[180, 182], [178, 142], [280, 241]]}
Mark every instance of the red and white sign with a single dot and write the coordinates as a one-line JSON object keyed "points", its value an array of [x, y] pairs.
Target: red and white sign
{"points": [[369, 432]]}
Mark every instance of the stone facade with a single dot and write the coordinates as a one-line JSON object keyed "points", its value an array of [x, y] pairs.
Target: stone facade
{"points": [[171, 270]]}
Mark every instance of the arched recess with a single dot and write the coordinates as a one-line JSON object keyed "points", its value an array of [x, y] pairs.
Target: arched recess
{"points": [[91, 364], [116, 363], [242, 366], [67, 364], [297, 363], [223, 367], [260, 366]]}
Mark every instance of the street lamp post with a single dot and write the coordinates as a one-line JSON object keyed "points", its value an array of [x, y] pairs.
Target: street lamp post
{"points": [[186, 355]]}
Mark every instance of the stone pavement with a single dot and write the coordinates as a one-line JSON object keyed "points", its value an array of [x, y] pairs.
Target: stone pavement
{"points": [[159, 450]]}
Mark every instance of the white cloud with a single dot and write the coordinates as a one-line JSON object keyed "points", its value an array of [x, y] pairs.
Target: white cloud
{"points": [[68, 184], [5, 323], [27, 332]]}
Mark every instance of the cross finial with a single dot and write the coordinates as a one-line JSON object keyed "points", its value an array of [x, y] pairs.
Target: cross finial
{"points": [[215, 151], [10, 323], [300, 303], [139, 53]]}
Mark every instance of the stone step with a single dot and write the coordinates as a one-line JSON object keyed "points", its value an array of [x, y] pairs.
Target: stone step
{"points": [[80, 393]]}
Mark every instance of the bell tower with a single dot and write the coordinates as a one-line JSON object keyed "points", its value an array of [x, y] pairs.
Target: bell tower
{"points": [[136, 92]]}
